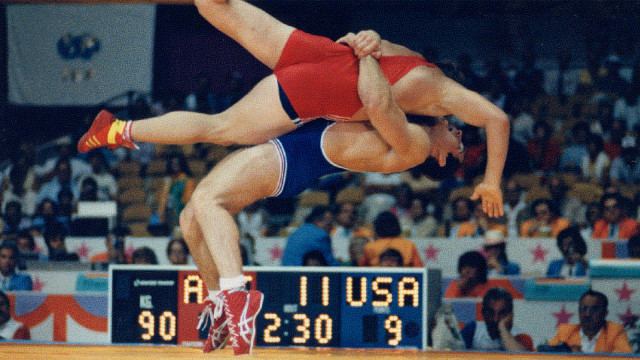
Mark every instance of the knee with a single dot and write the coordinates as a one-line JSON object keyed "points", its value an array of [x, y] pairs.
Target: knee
{"points": [[204, 200]]}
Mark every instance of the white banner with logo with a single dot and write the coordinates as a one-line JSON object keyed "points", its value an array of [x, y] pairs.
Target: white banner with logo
{"points": [[78, 54]]}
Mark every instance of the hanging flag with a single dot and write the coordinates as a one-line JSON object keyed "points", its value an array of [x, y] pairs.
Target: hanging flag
{"points": [[70, 55]]}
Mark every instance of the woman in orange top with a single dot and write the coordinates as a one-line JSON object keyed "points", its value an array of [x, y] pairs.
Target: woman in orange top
{"points": [[545, 221], [472, 268]]}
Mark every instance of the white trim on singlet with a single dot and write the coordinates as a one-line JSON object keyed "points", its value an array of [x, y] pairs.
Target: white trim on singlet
{"points": [[324, 154], [283, 167]]}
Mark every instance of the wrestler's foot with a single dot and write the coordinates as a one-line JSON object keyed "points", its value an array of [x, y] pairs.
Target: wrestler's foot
{"points": [[242, 308], [107, 131], [214, 317]]}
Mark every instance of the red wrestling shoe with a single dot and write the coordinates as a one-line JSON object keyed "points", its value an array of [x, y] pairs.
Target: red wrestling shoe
{"points": [[242, 308], [105, 130], [214, 317]]}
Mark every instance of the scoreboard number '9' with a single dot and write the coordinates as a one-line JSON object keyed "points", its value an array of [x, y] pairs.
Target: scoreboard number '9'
{"points": [[321, 307]]}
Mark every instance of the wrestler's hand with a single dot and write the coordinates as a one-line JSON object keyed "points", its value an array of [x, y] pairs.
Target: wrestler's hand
{"points": [[366, 42], [491, 196]]}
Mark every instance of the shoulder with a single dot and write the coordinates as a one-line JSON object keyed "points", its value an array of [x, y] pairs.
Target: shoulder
{"points": [[615, 328], [565, 330]]}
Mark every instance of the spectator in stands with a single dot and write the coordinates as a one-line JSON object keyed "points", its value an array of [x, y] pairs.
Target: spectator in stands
{"points": [[88, 189], [65, 154], [66, 207], [14, 221], [614, 224], [388, 236], [54, 236], [61, 181], [10, 329], [379, 190], [544, 151], [569, 207], [472, 281], [46, 215], [627, 108], [144, 256], [27, 250], [615, 131], [592, 214], [312, 235], [314, 258], [252, 221], [544, 221], [346, 227], [514, 206], [462, 211], [496, 333], [390, 258], [474, 153], [421, 220], [9, 279], [178, 252], [115, 244], [594, 334], [107, 187], [573, 249], [572, 155], [625, 169], [356, 250], [495, 249], [19, 184], [633, 247], [176, 191], [522, 124], [595, 164]]}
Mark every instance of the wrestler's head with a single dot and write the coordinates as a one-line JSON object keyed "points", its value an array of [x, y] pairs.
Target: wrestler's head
{"points": [[446, 142]]}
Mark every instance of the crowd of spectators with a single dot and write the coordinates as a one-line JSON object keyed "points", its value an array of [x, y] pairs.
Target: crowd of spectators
{"points": [[572, 174]]}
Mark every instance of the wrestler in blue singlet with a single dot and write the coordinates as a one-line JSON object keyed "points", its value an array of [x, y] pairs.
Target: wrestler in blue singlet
{"points": [[302, 161]]}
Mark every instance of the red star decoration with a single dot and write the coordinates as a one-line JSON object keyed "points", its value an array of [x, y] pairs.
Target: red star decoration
{"points": [[628, 317], [563, 316], [83, 250], [37, 284], [624, 293], [276, 252], [539, 253], [431, 252]]}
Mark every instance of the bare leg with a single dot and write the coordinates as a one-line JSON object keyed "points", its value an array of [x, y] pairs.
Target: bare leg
{"points": [[258, 32], [237, 181], [198, 248], [256, 118]]}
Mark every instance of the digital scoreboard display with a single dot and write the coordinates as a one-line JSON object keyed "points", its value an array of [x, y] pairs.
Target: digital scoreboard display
{"points": [[308, 307]]}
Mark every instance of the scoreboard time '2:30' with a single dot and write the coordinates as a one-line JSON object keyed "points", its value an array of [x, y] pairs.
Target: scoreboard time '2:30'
{"points": [[327, 307]]}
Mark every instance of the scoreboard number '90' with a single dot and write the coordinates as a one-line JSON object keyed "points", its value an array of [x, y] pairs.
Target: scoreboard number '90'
{"points": [[321, 307]]}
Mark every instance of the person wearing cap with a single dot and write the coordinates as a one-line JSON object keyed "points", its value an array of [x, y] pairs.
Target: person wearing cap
{"points": [[495, 250]]}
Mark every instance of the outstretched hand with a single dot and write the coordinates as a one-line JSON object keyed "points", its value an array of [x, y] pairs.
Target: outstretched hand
{"points": [[491, 197], [364, 43]]}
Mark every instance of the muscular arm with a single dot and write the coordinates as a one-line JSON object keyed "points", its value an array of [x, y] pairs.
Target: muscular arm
{"points": [[384, 114], [474, 109]]}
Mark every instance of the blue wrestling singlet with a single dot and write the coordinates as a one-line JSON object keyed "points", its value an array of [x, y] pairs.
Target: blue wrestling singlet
{"points": [[302, 161]]}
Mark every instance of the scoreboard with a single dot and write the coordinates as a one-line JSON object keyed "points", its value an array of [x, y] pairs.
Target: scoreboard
{"points": [[308, 307]]}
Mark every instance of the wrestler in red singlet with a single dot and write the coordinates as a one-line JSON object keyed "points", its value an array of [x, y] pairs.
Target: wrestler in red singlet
{"points": [[320, 77]]}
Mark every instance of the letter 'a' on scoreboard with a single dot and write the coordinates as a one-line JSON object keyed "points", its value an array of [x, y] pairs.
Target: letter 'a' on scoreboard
{"points": [[303, 307]]}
